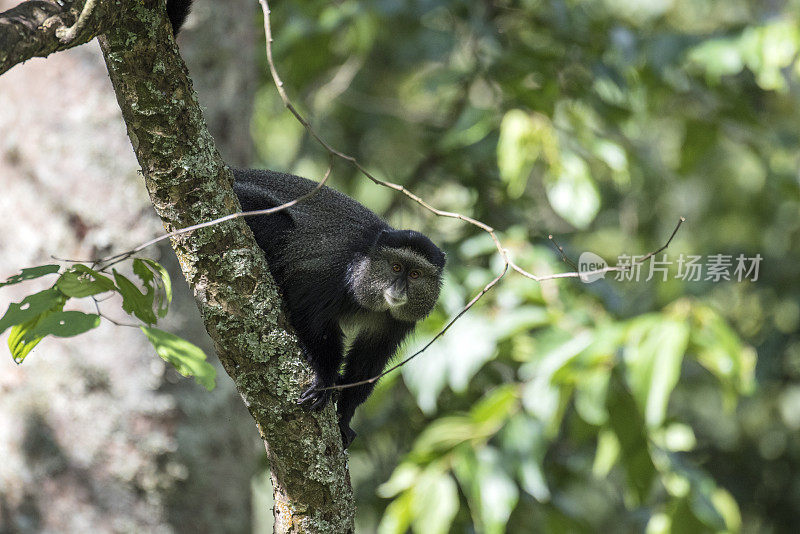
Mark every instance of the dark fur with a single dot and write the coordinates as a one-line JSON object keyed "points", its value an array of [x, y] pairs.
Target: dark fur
{"points": [[177, 11], [311, 249]]}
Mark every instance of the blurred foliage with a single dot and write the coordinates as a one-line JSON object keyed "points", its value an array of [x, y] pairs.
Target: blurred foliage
{"points": [[616, 406]]}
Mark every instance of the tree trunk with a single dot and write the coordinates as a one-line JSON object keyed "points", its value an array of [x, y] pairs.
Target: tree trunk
{"points": [[188, 183]]}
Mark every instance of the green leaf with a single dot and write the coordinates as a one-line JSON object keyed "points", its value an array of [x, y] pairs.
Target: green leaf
{"points": [[615, 157], [188, 359], [403, 477], [30, 273], [572, 192], [683, 519], [397, 517], [532, 480], [490, 491], [163, 299], [720, 350], [134, 301], [542, 396], [26, 317], [726, 506], [434, 502], [146, 275], [524, 443], [523, 138], [472, 126], [590, 393], [494, 409], [702, 504], [676, 437], [519, 320], [31, 307], [24, 337], [718, 57], [66, 323], [465, 468], [628, 425], [659, 523], [455, 358], [607, 453], [82, 281], [20, 341], [443, 434], [653, 356]]}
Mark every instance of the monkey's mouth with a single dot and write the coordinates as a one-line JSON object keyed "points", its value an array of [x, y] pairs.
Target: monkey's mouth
{"points": [[394, 300]]}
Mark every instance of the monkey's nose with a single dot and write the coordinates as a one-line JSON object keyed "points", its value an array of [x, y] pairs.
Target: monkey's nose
{"points": [[394, 299]]}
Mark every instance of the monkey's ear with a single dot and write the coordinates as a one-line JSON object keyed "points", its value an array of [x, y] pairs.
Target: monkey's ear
{"points": [[389, 237], [382, 239]]}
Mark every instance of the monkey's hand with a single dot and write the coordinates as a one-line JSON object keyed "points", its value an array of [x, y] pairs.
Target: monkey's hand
{"points": [[314, 398]]}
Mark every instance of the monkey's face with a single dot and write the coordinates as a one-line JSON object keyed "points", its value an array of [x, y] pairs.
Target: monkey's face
{"points": [[397, 280]]}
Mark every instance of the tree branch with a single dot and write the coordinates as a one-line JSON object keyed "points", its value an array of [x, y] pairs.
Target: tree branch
{"points": [[40, 27]]}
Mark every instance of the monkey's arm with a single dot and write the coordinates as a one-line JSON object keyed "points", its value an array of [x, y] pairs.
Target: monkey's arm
{"points": [[366, 358], [322, 347]]}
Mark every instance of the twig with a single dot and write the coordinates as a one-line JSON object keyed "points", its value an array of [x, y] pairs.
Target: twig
{"points": [[116, 258], [648, 256], [109, 319], [563, 254], [67, 35], [267, 211]]}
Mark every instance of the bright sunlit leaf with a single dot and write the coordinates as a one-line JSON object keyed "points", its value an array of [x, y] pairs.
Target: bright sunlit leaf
{"points": [[134, 301], [24, 337], [653, 356], [30, 273], [434, 502], [31, 307], [25, 317], [186, 358], [164, 297], [398, 515], [82, 281], [572, 192]]}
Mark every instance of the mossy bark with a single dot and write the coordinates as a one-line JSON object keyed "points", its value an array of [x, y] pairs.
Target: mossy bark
{"points": [[40, 27]]}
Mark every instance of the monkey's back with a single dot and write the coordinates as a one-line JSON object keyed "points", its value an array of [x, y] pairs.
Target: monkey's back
{"points": [[310, 245]]}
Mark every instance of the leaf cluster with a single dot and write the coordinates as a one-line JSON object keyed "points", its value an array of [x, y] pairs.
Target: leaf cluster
{"points": [[42, 314]]}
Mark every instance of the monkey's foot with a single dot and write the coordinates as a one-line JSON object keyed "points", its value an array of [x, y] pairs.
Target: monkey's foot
{"points": [[348, 435], [314, 399]]}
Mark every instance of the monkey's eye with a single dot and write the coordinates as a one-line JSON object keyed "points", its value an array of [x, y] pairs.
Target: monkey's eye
{"points": [[396, 267], [414, 274]]}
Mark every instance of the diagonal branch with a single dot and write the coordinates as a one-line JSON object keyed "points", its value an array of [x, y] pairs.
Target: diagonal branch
{"points": [[38, 28]]}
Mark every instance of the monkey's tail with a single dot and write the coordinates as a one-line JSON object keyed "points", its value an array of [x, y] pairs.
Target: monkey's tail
{"points": [[177, 10]]}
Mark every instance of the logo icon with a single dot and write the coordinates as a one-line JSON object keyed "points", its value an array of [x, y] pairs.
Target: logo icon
{"points": [[590, 267]]}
